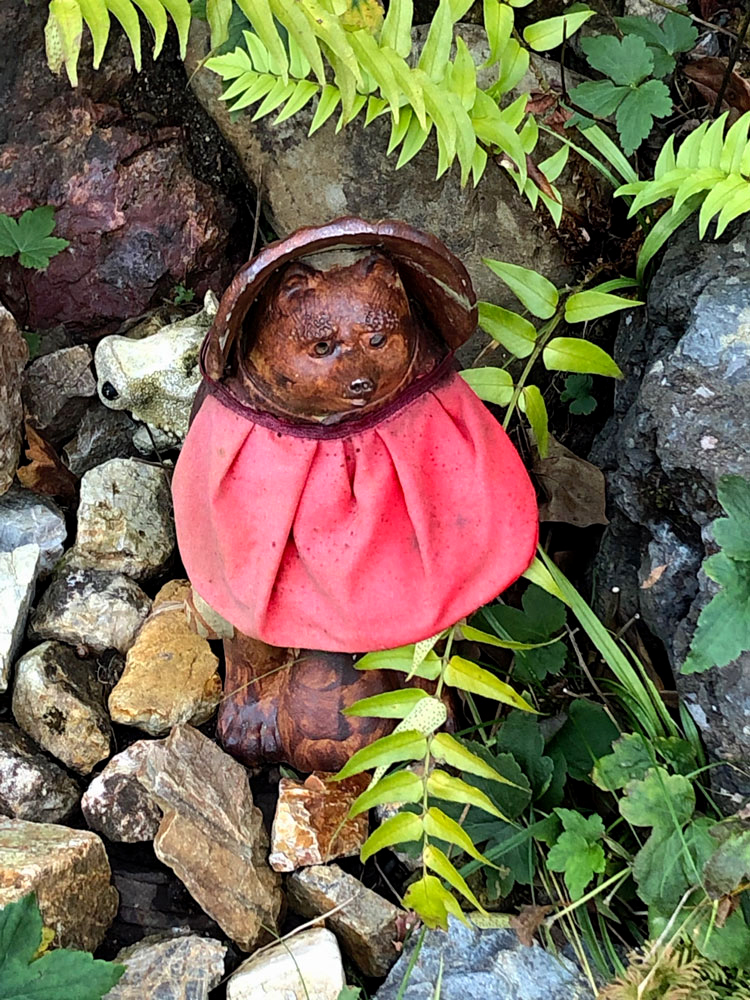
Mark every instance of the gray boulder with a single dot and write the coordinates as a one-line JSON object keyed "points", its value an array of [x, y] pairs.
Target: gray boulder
{"points": [[28, 518]]}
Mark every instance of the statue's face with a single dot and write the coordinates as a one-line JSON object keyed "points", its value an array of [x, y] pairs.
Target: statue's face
{"points": [[333, 342]]}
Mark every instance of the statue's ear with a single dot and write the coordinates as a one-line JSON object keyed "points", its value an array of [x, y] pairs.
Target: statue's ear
{"points": [[380, 268], [295, 279]]}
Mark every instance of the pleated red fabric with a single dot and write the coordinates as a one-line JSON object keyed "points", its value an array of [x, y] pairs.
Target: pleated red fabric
{"points": [[380, 535]]}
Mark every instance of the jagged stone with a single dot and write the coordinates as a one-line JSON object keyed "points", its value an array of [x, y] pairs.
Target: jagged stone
{"points": [[18, 575], [58, 701], [101, 435], [69, 872], [27, 518], [57, 391], [182, 968], [116, 804], [14, 353], [32, 787]]}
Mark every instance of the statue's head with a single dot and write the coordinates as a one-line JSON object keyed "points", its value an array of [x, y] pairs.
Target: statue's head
{"points": [[322, 343]]}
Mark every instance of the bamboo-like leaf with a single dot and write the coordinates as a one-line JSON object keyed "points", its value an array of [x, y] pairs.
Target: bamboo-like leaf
{"points": [[242, 84], [614, 284], [389, 705], [387, 750], [304, 92], [463, 77], [553, 205], [737, 205], [276, 96], [393, 789], [468, 676], [442, 116], [401, 659], [514, 65], [125, 13], [498, 23], [437, 48], [493, 385], [513, 114], [259, 54], [369, 55], [62, 36], [516, 334], [446, 749], [689, 151], [298, 26], [655, 190], [432, 902], [537, 294], [396, 30], [218, 13], [572, 354], [479, 165], [262, 85], [662, 230], [445, 786], [408, 81], [539, 574], [476, 635], [179, 11], [375, 108], [328, 28], [422, 650], [402, 828], [330, 98], [717, 198], [437, 824], [666, 159], [709, 151], [734, 145], [260, 16], [553, 166], [696, 182], [96, 16], [592, 304], [532, 404], [437, 862], [552, 31]]}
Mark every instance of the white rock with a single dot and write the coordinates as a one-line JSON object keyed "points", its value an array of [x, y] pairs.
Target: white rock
{"points": [[18, 575], [27, 518], [125, 521], [117, 804], [306, 966]]}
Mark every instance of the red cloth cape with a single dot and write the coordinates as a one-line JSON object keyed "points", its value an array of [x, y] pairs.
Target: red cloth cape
{"points": [[358, 536]]}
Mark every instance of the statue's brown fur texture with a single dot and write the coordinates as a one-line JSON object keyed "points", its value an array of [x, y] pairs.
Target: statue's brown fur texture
{"points": [[326, 345]]}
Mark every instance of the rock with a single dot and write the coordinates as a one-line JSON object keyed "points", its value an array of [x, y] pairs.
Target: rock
{"points": [[307, 966], [102, 434], [478, 964], [492, 221], [91, 608], [365, 926], [170, 672], [156, 378], [32, 787], [309, 827], [212, 836], [116, 804], [19, 570], [204, 620], [138, 220], [69, 872], [58, 701], [125, 521], [27, 517], [182, 968], [14, 353], [682, 421], [57, 391]]}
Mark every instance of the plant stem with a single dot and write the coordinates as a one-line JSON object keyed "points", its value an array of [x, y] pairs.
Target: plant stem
{"points": [[545, 332]]}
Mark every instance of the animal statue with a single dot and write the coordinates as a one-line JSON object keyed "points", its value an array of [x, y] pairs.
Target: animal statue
{"points": [[341, 489]]}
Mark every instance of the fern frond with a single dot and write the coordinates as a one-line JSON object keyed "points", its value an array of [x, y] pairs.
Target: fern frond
{"points": [[66, 19], [710, 174]]}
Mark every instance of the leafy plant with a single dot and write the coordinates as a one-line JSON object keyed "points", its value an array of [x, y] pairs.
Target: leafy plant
{"points": [[577, 851], [29, 237], [577, 394], [182, 295], [674, 35], [723, 629], [53, 975], [710, 172], [64, 29]]}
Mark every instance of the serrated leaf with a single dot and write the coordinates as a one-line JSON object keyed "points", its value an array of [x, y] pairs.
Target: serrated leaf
{"points": [[445, 786], [403, 828], [402, 659], [439, 863], [571, 354], [635, 116], [723, 628], [625, 62], [388, 750], [643, 27], [432, 902], [732, 532], [578, 858], [679, 33], [437, 824], [536, 293], [664, 63], [446, 749], [389, 705], [468, 676], [541, 617], [586, 736], [599, 97], [630, 759], [29, 237], [516, 334], [393, 789], [584, 306], [661, 800], [551, 32], [520, 735]]}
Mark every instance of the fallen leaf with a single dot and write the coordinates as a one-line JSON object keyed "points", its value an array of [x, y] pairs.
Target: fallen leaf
{"points": [[46, 472], [707, 75], [541, 101], [653, 577], [725, 909], [575, 489], [528, 922]]}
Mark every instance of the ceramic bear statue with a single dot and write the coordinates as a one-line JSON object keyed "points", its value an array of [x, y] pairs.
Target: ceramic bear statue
{"points": [[341, 489]]}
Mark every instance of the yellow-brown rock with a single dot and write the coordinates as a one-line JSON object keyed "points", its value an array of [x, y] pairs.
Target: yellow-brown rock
{"points": [[310, 826], [69, 872], [170, 672]]}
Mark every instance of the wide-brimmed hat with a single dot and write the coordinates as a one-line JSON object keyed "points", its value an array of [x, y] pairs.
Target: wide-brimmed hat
{"points": [[431, 275]]}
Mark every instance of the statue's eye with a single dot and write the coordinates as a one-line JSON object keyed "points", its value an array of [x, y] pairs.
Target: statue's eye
{"points": [[377, 340], [323, 347]]}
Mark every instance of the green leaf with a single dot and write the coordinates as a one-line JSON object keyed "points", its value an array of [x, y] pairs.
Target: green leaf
{"points": [[630, 759], [432, 902], [394, 789], [732, 533], [661, 231], [330, 98], [73, 975], [498, 23], [592, 304], [436, 51], [29, 237], [516, 334], [728, 945], [532, 404], [493, 385], [635, 116], [468, 676], [439, 863], [96, 16], [218, 14], [536, 293], [446, 749], [62, 35], [402, 828], [396, 30], [577, 393], [679, 33], [476, 635], [577, 852], [729, 865], [520, 735], [625, 62], [402, 659], [179, 11], [571, 354], [541, 617], [389, 705], [723, 629], [444, 786], [599, 97], [437, 824], [664, 63], [586, 736], [664, 801], [551, 32], [643, 27], [669, 863], [392, 749]]}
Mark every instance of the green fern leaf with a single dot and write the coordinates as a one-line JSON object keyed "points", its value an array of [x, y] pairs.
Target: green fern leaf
{"points": [[717, 198], [736, 206], [126, 14], [298, 26], [437, 48], [96, 16], [62, 36], [304, 91], [369, 55], [330, 98], [498, 23], [396, 30], [156, 16], [179, 11], [260, 16]]}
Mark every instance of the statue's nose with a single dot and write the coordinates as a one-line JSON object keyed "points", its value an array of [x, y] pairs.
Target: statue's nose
{"points": [[362, 386]]}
